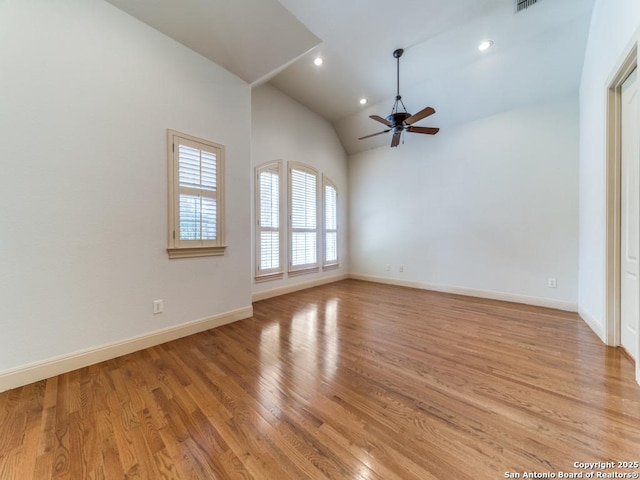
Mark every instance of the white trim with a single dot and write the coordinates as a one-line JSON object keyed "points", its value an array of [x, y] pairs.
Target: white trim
{"points": [[275, 292], [613, 179], [473, 292], [628, 60], [51, 367], [596, 326]]}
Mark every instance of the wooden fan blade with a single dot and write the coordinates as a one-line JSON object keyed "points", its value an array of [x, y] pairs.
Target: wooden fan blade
{"points": [[427, 130], [424, 113], [396, 139], [374, 134], [378, 118]]}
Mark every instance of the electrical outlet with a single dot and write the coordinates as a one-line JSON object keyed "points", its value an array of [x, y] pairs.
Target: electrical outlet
{"points": [[401, 268], [158, 306], [387, 267], [552, 283]]}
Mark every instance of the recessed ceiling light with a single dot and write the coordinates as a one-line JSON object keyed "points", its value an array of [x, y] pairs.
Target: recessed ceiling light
{"points": [[486, 45], [363, 101], [318, 61]]}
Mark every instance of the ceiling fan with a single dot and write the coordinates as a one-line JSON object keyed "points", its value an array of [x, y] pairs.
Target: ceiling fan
{"points": [[400, 120]]}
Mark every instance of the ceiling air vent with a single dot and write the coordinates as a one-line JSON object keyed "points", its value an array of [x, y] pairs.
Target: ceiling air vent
{"points": [[522, 4]]}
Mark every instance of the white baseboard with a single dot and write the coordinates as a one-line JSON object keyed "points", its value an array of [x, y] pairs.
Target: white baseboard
{"points": [[596, 326], [65, 363], [274, 292], [472, 292], [600, 331]]}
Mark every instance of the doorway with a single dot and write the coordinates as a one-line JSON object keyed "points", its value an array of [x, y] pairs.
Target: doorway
{"points": [[623, 209], [629, 215]]}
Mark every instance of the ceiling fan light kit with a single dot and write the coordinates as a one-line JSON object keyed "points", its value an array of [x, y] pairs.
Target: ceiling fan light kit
{"points": [[400, 120]]}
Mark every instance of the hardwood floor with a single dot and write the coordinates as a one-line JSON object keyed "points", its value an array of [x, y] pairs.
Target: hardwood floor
{"points": [[351, 380]]}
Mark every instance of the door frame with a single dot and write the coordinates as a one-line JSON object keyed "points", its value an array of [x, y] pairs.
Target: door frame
{"points": [[629, 61]]}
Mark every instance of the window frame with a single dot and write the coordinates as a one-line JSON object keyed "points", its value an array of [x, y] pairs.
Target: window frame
{"points": [[193, 248], [278, 272], [308, 267], [327, 182]]}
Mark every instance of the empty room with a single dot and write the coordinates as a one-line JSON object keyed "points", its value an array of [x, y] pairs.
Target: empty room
{"points": [[321, 239]]}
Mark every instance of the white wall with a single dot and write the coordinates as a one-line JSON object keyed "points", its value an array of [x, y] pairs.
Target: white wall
{"points": [[87, 93], [491, 205], [283, 129], [614, 24]]}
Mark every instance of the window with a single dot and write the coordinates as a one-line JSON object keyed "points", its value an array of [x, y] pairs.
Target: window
{"points": [[330, 231], [269, 227], [303, 219], [196, 196], [312, 228]]}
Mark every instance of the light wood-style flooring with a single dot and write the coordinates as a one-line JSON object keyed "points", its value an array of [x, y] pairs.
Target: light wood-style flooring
{"points": [[351, 380]]}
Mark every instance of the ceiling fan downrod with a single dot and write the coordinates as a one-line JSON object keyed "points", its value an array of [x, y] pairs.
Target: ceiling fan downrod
{"points": [[397, 54]]}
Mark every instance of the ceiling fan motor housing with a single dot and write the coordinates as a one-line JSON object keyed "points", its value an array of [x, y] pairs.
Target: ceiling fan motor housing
{"points": [[397, 119]]}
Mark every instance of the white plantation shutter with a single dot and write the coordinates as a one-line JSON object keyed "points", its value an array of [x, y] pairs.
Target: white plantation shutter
{"points": [[268, 213], [198, 188], [303, 205], [330, 223], [195, 184], [269, 251]]}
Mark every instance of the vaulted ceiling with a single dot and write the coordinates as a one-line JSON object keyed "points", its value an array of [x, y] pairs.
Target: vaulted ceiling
{"points": [[537, 53]]}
